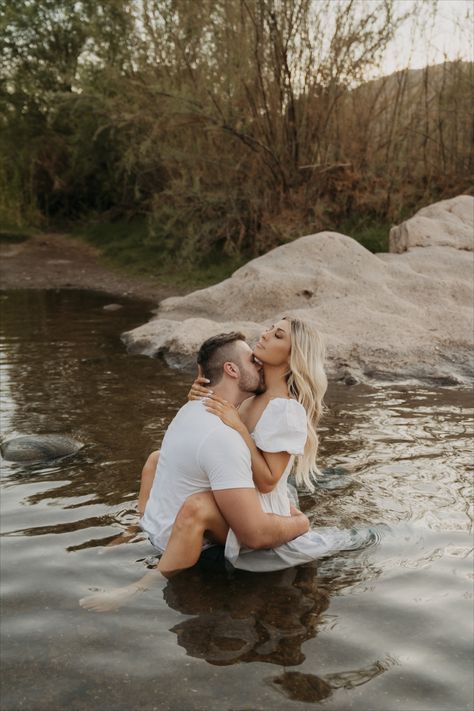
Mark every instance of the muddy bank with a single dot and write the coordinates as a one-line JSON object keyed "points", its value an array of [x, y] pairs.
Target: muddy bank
{"points": [[55, 261], [405, 315]]}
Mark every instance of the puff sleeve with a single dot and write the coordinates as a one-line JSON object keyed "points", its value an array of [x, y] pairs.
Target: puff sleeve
{"points": [[282, 427]]}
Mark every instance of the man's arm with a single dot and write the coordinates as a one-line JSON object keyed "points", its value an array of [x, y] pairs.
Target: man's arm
{"points": [[253, 527], [225, 458]]}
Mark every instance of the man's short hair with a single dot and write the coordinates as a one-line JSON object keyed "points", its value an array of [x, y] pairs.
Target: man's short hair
{"points": [[216, 351]]}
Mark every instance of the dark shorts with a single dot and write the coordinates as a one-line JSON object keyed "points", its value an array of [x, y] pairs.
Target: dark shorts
{"points": [[212, 560]]}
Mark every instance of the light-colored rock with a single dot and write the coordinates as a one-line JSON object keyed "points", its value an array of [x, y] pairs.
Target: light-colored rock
{"points": [[179, 341], [385, 316], [448, 223]]}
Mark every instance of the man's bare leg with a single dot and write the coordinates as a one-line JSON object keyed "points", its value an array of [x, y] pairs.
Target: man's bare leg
{"points": [[198, 514], [147, 478], [114, 599]]}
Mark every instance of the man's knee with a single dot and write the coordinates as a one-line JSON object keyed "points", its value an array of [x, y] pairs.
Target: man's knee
{"points": [[195, 510]]}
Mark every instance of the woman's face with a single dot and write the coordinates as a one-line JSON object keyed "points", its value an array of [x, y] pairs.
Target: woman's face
{"points": [[274, 345]]}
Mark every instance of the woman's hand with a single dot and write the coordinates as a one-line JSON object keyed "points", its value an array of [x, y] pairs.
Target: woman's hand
{"points": [[199, 389], [227, 412]]}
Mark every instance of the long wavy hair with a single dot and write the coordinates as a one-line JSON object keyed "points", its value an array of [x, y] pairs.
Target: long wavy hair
{"points": [[307, 383]]}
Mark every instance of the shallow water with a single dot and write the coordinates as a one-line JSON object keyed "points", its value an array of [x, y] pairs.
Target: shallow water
{"points": [[384, 628]]}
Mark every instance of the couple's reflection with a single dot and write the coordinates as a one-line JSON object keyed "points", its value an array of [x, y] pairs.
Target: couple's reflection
{"points": [[266, 618], [250, 617]]}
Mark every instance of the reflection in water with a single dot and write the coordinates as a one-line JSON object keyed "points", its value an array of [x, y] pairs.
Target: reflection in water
{"points": [[252, 617], [267, 618], [394, 456], [309, 687], [133, 532]]}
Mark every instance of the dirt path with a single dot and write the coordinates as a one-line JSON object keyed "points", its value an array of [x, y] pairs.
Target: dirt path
{"points": [[55, 261]]}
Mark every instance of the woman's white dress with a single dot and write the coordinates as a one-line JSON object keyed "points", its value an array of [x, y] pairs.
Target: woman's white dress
{"points": [[282, 427]]}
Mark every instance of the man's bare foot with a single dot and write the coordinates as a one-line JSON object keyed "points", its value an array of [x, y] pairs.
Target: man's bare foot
{"points": [[115, 599]]}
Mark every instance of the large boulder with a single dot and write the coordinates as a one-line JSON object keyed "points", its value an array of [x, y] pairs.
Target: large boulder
{"points": [[448, 223], [385, 316]]}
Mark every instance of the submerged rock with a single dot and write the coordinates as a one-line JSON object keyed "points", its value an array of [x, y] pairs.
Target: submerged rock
{"points": [[38, 448], [385, 316]]}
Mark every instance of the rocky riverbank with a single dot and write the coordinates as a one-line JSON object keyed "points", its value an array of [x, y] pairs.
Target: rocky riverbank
{"points": [[403, 315]]}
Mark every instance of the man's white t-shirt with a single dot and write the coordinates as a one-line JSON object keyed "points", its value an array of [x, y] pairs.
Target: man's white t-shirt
{"points": [[199, 453]]}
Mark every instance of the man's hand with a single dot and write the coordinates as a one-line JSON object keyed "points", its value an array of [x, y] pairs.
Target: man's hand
{"points": [[304, 520]]}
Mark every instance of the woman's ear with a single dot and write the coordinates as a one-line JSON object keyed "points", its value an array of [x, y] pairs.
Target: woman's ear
{"points": [[231, 370]]}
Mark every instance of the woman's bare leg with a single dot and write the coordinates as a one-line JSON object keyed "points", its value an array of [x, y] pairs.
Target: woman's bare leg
{"points": [[198, 514], [146, 482], [147, 478]]}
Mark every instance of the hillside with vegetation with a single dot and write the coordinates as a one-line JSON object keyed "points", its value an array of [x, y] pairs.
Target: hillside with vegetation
{"points": [[184, 133]]}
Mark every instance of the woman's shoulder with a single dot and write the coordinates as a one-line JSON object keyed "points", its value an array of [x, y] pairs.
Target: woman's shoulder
{"points": [[282, 427], [286, 408], [282, 415]]}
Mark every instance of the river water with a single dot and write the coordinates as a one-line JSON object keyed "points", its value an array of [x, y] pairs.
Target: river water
{"points": [[380, 629]]}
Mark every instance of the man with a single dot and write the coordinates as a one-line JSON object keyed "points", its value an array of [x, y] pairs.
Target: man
{"points": [[200, 453]]}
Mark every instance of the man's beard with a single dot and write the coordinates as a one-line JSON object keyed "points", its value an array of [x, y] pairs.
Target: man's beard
{"points": [[249, 384]]}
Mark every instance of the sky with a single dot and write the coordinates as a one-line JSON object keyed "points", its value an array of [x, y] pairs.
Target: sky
{"points": [[450, 36]]}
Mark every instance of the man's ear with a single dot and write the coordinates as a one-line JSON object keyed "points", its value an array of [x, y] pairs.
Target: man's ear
{"points": [[231, 369]]}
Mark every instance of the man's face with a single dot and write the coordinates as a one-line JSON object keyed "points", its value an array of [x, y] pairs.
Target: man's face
{"points": [[251, 374]]}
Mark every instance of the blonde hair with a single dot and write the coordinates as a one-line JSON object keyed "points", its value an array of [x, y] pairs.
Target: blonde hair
{"points": [[307, 383]]}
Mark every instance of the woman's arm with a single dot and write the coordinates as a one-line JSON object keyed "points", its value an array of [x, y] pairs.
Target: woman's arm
{"points": [[267, 467]]}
